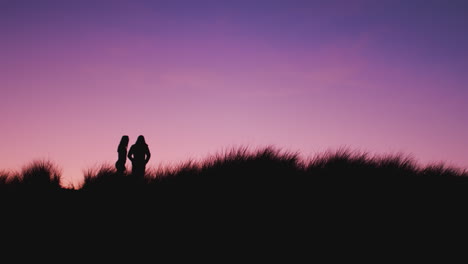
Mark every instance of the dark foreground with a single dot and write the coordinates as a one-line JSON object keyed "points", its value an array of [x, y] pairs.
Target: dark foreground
{"points": [[340, 203], [253, 183]]}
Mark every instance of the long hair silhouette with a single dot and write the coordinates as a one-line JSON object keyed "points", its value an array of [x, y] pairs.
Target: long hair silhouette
{"points": [[122, 155], [141, 141], [139, 154]]}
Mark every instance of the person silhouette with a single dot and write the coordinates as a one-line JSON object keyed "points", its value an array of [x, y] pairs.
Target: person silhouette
{"points": [[122, 154], [139, 154]]}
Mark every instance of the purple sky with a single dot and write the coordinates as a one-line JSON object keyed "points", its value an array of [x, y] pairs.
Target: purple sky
{"points": [[196, 77]]}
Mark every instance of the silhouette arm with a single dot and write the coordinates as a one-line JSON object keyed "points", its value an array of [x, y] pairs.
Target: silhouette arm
{"points": [[130, 154], [148, 156]]}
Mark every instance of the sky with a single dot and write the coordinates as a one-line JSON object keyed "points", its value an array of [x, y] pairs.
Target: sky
{"points": [[199, 77]]}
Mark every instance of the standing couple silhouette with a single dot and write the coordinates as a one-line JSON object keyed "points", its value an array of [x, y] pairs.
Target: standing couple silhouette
{"points": [[139, 155]]}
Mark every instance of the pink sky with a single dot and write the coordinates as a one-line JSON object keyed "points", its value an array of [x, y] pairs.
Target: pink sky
{"points": [[198, 79]]}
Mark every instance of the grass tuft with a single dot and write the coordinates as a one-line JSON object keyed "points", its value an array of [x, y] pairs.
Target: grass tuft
{"points": [[41, 174]]}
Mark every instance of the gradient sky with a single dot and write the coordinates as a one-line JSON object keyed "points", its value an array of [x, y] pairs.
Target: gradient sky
{"points": [[197, 77]]}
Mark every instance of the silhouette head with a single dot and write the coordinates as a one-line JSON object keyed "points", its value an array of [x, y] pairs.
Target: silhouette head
{"points": [[140, 140], [124, 141]]}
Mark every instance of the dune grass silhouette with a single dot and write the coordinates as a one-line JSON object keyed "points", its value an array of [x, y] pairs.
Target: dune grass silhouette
{"points": [[241, 171], [241, 193], [39, 175]]}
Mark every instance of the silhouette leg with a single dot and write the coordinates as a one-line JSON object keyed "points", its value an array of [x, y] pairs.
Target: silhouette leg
{"points": [[138, 171], [120, 168]]}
